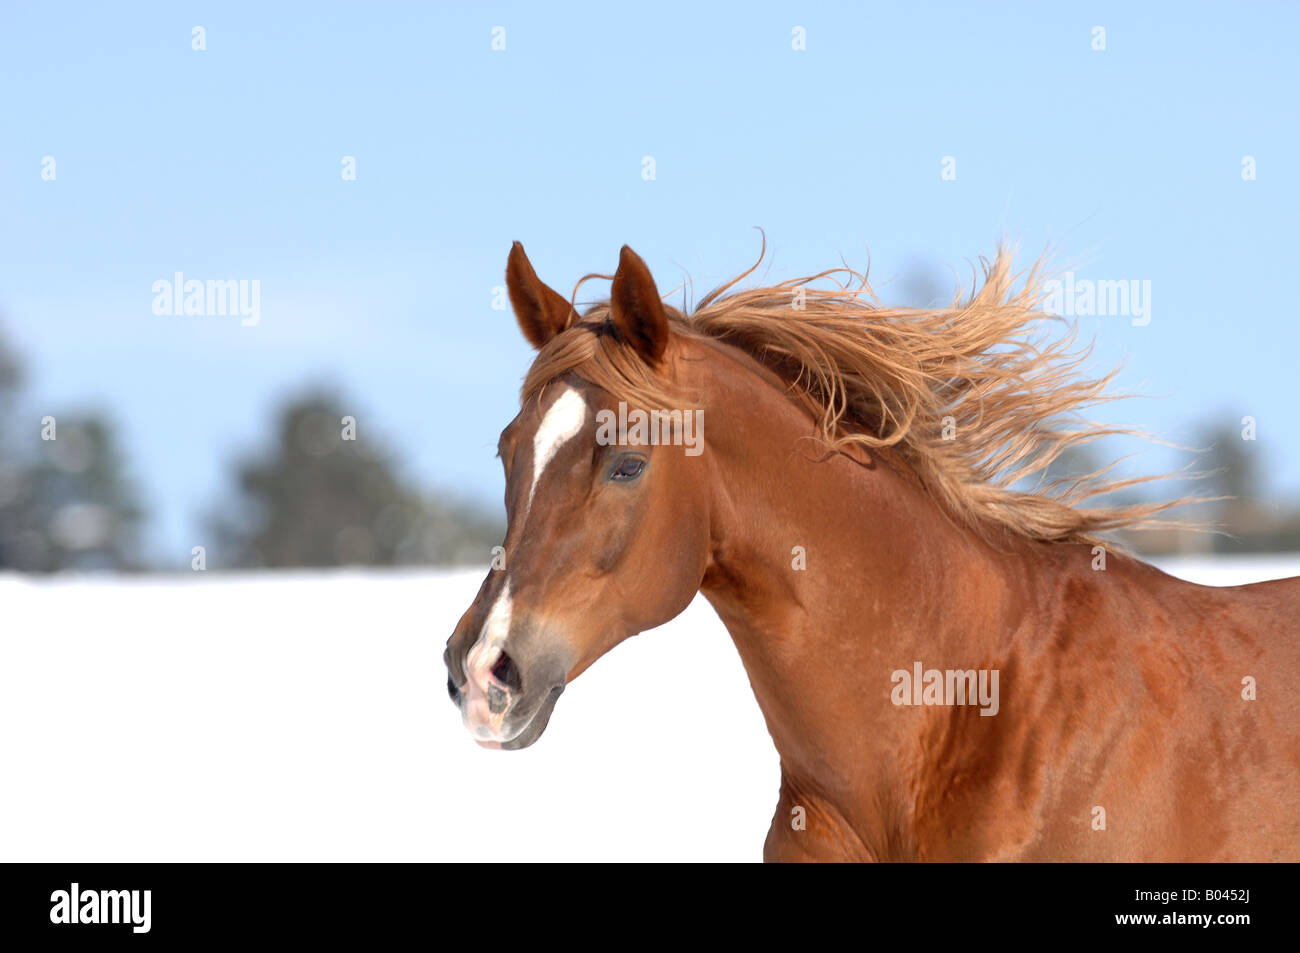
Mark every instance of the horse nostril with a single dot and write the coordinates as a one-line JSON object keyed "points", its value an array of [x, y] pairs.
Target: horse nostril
{"points": [[453, 691], [507, 673]]}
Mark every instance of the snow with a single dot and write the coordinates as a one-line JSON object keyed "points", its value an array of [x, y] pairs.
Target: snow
{"points": [[303, 716]]}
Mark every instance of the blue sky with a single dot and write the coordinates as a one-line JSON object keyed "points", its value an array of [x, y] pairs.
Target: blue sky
{"points": [[225, 164]]}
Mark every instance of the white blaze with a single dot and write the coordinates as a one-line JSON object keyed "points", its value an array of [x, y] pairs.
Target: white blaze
{"points": [[561, 424]]}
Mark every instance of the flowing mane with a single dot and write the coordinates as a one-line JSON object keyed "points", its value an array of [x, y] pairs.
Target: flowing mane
{"points": [[974, 398]]}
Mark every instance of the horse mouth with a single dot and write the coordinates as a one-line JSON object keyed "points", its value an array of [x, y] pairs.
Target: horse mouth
{"points": [[536, 724]]}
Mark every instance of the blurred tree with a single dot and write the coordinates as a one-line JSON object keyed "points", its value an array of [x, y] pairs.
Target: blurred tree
{"points": [[65, 502], [328, 494], [1246, 519], [11, 375], [1073, 463], [1232, 464], [12, 478]]}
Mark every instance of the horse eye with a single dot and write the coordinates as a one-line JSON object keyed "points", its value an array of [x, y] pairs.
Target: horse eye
{"points": [[629, 468]]}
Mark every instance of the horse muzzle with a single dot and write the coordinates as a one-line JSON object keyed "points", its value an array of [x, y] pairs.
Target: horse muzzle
{"points": [[504, 703]]}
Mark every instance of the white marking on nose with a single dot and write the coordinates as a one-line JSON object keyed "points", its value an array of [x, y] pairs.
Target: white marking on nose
{"points": [[485, 724], [562, 421]]}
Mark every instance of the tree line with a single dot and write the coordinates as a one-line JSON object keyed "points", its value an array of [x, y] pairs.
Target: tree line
{"points": [[317, 497]]}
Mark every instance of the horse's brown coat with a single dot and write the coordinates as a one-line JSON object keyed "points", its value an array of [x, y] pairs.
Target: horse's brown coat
{"points": [[1121, 688]]}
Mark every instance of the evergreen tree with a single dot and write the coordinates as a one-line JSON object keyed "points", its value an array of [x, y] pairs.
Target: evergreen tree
{"points": [[329, 494], [65, 502]]}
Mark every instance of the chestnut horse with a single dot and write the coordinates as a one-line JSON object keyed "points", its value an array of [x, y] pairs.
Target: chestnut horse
{"points": [[951, 668]]}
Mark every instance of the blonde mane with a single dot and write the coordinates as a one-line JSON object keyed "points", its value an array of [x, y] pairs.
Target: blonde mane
{"points": [[973, 398]]}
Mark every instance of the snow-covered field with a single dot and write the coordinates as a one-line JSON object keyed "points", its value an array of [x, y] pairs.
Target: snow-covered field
{"points": [[304, 717]]}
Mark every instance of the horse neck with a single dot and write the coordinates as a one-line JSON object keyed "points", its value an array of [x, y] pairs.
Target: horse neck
{"points": [[831, 571]]}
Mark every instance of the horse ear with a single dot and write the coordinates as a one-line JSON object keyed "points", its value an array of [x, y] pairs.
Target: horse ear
{"points": [[636, 308], [542, 312]]}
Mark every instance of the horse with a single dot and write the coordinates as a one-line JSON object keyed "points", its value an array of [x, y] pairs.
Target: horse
{"points": [[953, 664]]}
